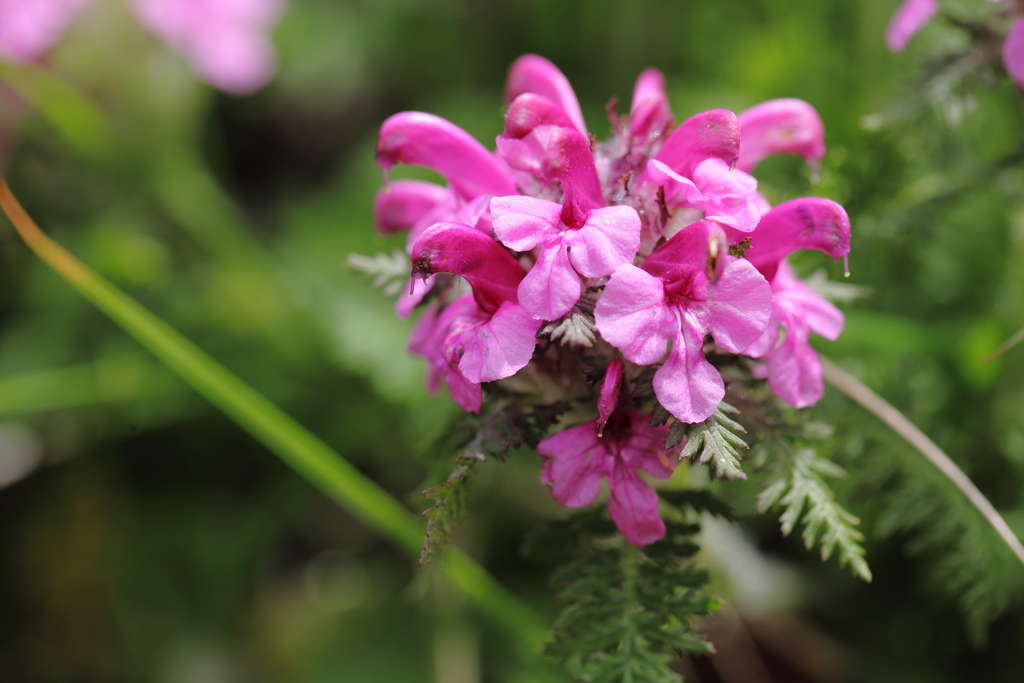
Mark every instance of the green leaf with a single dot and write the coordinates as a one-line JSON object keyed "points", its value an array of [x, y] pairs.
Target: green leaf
{"points": [[715, 440], [448, 510], [627, 611], [389, 272], [798, 484]]}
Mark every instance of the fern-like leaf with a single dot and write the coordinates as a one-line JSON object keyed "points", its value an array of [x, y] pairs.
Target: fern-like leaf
{"points": [[715, 440], [627, 610], [448, 510], [388, 272], [799, 486]]}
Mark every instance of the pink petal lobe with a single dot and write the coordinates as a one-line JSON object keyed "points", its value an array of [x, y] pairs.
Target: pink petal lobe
{"points": [[679, 191], [500, 346], [1013, 52], [687, 385], [435, 337], [399, 204], [782, 126], [739, 306], [794, 295], [804, 223], [534, 74], [427, 140], [552, 287], [649, 113], [730, 195], [633, 506], [521, 223], [462, 250], [714, 133], [575, 461], [794, 369], [633, 315], [530, 110], [609, 238], [608, 400], [412, 295], [683, 255], [909, 18]]}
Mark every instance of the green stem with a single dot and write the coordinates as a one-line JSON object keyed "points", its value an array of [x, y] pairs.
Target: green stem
{"points": [[269, 425]]}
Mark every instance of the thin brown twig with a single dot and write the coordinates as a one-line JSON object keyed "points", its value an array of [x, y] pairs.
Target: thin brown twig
{"points": [[852, 387]]}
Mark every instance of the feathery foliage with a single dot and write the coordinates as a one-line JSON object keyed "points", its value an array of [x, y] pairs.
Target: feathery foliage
{"points": [[715, 440], [627, 610], [798, 484], [388, 272]]}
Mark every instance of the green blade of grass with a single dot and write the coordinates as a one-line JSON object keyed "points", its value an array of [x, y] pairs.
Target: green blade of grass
{"points": [[300, 449]]}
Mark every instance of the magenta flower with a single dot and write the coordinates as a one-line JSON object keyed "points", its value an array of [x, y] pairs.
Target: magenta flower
{"points": [[29, 28], [912, 15], [225, 41], [474, 175], [536, 75], [783, 126], [793, 367], [577, 459], [687, 288], [495, 339]]}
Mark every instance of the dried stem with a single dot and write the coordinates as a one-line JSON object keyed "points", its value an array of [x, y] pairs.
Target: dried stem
{"points": [[852, 387]]}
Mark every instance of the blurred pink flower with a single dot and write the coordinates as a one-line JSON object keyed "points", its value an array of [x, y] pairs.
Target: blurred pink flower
{"points": [[226, 41], [28, 28], [909, 18]]}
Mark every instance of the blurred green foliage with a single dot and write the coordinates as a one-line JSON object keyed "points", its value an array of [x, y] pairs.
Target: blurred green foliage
{"points": [[146, 538]]}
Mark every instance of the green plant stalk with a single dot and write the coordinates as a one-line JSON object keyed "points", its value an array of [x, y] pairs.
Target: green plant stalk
{"points": [[300, 449]]}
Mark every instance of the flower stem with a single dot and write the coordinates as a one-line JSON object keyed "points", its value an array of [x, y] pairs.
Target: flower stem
{"points": [[852, 387], [268, 424]]}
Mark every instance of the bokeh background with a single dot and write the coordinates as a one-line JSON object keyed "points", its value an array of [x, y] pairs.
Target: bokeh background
{"points": [[145, 537]]}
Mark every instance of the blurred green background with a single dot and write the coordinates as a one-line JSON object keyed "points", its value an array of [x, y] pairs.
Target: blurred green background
{"points": [[145, 537]]}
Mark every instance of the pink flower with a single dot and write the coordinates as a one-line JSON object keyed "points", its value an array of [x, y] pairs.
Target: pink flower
{"points": [[474, 175], [783, 126], [28, 28], [793, 367], [1013, 52], [685, 289], [226, 41], [534, 74], [577, 459], [909, 18], [487, 336]]}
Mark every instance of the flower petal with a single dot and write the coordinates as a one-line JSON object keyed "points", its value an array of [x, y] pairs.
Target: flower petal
{"points": [[687, 385], [909, 18], [782, 126], [609, 238], [713, 133], [649, 113], [795, 296], [399, 204], [530, 110], [521, 223], [417, 138], [552, 286], [633, 506], [608, 400], [500, 346], [804, 223], [794, 368], [679, 191], [633, 316], [575, 461], [1013, 52], [456, 248], [29, 29], [731, 195], [739, 306], [534, 74]]}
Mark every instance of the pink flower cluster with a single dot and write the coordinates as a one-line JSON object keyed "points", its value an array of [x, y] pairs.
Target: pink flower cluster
{"points": [[627, 249], [226, 41], [912, 15]]}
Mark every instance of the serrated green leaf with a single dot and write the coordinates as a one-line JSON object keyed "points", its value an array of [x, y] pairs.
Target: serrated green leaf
{"points": [[448, 510], [716, 442]]}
